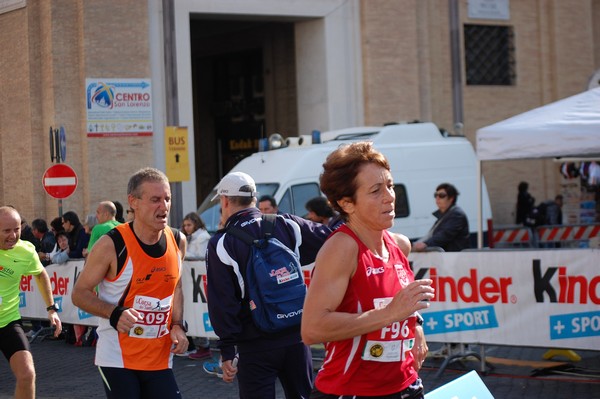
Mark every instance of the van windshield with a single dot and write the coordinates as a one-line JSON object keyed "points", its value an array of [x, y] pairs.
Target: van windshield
{"points": [[210, 211]]}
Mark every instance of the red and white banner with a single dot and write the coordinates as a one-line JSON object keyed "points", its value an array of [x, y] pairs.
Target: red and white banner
{"points": [[568, 233], [543, 298]]}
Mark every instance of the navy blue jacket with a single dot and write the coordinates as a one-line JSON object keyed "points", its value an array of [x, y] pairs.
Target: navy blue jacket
{"points": [[226, 260]]}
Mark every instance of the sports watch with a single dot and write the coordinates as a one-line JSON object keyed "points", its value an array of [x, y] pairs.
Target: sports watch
{"points": [[54, 307]]}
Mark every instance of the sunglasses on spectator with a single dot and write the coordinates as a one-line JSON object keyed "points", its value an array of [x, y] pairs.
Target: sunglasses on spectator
{"points": [[440, 195]]}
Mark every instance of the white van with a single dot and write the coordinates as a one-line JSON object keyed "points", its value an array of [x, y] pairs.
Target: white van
{"points": [[420, 156]]}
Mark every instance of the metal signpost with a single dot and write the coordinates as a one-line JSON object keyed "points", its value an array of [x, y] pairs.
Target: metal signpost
{"points": [[60, 180]]}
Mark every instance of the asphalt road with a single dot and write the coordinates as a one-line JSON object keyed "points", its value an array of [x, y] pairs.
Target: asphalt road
{"points": [[68, 372]]}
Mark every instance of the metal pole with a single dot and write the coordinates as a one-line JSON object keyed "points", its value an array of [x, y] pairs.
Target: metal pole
{"points": [[172, 104], [55, 156], [479, 206], [457, 97]]}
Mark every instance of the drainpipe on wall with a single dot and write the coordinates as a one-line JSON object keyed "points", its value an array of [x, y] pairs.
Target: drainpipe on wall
{"points": [[457, 98], [171, 99]]}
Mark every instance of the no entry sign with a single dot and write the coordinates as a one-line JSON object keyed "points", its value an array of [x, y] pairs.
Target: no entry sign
{"points": [[60, 181]]}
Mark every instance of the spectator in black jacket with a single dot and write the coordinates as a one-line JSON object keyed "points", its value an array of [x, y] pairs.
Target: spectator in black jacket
{"points": [[525, 203], [39, 227], [78, 238], [451, 230], [262, 357], [27, 234]]}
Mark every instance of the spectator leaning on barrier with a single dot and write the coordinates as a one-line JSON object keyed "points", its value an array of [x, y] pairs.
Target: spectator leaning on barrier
{"points": [[47, 240], [78, 239], [27, 235], [56, 225], [451, 230], [61, 254], [19, 258]]}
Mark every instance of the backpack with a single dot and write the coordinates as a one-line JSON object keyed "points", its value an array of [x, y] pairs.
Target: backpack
{"points": [[274, 280]]}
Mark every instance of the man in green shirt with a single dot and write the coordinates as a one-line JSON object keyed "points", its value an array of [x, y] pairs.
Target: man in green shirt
{"points": [[19, 258], [105, 213]]}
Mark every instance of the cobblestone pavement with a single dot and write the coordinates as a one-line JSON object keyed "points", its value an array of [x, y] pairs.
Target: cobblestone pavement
{"points": [[67, 372]]}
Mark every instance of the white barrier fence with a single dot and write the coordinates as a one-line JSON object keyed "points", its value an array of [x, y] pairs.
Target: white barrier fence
{"points": [[544, 298]]}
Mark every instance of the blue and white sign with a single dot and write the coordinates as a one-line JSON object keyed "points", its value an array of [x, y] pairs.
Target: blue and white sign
{"points": [[118, 107]]}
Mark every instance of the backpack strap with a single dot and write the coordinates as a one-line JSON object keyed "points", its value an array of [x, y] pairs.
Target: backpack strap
{"points": [[242, 235], [268, 225]]}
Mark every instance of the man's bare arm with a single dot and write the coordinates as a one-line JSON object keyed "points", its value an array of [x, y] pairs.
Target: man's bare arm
{"points": [[100, 264], [43, 283]]}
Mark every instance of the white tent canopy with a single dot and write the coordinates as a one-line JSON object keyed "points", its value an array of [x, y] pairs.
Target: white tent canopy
{"points": [[565, 128]]}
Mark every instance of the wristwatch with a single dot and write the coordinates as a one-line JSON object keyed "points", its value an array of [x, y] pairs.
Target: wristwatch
{"points": [[181, 323], [54, 307], [420, 320]]}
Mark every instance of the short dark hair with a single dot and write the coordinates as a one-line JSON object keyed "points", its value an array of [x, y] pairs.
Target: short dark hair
{"points": [[523, 186], [144, 175], [56, 224], [62, 233], [268, 198], [450, 190], [72, 218], [320, 206], [242, 201], [119, 214], [40, 225], [343, 165]]}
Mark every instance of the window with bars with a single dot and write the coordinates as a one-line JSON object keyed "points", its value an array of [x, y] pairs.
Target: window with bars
{"points": [[489, 55]]}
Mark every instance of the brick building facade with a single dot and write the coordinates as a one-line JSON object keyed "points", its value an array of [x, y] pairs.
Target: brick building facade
{"points": [[326, 64]]}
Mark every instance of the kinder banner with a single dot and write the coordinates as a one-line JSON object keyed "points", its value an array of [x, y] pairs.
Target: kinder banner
{"points": [[62, 279], [64, 276], [544, 298], [526, 298]]}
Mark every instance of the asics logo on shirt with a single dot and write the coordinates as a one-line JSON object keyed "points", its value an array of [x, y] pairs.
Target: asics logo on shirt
{"points": [[374, 270]]}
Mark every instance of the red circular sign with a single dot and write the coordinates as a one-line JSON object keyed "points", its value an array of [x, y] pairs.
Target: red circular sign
{"points": [[60, 181]]}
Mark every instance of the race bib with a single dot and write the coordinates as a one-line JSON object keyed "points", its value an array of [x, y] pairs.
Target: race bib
{"points": [[154, 317], [392, 342], [387, 351]]}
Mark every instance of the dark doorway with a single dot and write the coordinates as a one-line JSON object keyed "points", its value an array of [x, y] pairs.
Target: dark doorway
{"points": [[244, 87], [238, 106]]}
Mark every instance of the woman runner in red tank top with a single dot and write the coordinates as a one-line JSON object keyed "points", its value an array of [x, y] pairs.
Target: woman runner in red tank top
{"points": [[363, 300]]}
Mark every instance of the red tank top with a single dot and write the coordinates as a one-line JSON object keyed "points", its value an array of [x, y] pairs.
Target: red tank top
{"points": [[380, 362]]}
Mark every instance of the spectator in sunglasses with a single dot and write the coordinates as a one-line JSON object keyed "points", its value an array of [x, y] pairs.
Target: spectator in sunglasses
{"points": [[451, 230]]}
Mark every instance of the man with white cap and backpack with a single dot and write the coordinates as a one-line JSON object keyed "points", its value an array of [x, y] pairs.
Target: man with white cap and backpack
{"points": [[256, 355]]}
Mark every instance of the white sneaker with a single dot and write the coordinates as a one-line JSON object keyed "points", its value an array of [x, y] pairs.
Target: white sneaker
{"points": [[186, 353]]}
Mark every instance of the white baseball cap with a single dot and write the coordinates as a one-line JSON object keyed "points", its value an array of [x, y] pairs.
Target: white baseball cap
{"points": [[236, 184]]}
